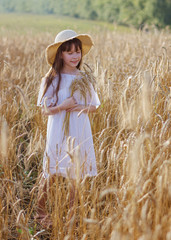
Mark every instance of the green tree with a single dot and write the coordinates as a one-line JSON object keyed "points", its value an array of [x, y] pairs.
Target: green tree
{"points": [[162, 11], [23, 6], [93, 15], [130, 12], [8, 5], [127, 12]]}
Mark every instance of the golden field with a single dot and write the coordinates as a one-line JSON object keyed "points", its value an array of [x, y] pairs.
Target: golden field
{"points": [[130, 198]]}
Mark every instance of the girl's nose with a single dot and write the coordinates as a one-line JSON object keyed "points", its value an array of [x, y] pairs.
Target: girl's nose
{"points": [[75, 55]]}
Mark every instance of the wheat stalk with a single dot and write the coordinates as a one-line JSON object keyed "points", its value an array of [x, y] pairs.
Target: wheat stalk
{"points": [[80, 84]]}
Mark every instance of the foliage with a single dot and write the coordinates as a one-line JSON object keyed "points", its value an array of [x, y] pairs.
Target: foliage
{"points": [[129, 12]]}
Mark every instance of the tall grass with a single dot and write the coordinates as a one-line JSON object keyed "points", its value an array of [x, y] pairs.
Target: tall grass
{"points": [[130, 198]]}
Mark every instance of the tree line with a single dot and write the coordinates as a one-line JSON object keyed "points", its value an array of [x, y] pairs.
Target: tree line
{"points": [[126, 12]]}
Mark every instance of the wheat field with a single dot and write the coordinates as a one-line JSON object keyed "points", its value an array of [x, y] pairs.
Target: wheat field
{"points": [[130, 198]]}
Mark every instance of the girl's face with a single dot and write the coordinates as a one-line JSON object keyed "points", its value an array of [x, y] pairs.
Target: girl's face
{"points": [[72, 57]]}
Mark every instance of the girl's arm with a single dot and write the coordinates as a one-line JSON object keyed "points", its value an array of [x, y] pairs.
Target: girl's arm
{"points": [[82, 108], [66, 104]]}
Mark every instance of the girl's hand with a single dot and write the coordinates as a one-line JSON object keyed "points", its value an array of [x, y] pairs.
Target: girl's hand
{"points": [[75, 108], [82, 109], [46, 111], [69, 103]]}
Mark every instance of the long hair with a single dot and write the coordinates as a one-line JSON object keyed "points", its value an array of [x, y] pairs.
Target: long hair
{"points": [[59, 64]]}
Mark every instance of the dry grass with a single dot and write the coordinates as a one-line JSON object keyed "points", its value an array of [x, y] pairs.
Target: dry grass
{"points": [[131, 196]]}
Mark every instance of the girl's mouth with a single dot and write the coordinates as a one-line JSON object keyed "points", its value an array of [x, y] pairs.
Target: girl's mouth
{"points": [[74, 62]]}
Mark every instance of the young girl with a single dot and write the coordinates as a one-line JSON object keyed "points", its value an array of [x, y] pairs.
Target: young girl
{"points": [[61, 100]]}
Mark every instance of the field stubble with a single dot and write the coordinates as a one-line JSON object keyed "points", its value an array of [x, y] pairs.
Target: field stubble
{"points": [[130, 198]]}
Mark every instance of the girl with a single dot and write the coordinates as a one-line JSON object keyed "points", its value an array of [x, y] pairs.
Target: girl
{"points": [[66, 96]]}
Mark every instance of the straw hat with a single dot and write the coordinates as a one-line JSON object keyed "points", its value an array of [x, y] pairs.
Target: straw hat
{"points": [[64, 36]]}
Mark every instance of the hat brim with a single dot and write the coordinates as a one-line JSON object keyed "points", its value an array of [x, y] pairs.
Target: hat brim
{"points": [[51, 50]]}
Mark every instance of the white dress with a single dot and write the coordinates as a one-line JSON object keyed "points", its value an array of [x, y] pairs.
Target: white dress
{"points": [[74, 156]]}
